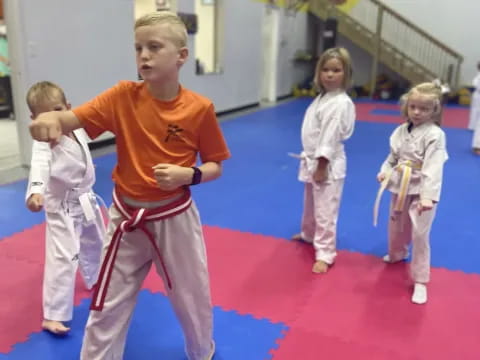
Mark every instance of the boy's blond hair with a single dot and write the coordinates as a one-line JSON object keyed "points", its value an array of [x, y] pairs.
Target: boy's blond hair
{"points": [[428, 89], [341, 54], [175, 25], [44, 91]]}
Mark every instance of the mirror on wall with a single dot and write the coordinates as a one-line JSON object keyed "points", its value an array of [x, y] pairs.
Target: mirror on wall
{"points": [[143, 7], [207, 38], [204, 25]]}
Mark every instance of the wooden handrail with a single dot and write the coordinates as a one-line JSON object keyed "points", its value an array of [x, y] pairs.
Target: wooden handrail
{"points": [[424, 56], [417, 29]]}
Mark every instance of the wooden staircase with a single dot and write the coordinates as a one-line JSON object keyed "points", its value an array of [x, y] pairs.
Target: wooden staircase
{"points": [[394, 41]]}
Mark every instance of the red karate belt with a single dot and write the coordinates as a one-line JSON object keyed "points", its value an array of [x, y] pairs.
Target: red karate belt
{"points": [[134, 219]]}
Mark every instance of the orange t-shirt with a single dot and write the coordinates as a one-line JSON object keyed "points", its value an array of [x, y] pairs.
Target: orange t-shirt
{"points": [[149, 131]]}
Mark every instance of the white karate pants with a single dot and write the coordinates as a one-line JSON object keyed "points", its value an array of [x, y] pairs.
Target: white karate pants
{"points": [[71, 243], [409, 227], [474, 120], [320, 214], [180, 240], [474, 123]]}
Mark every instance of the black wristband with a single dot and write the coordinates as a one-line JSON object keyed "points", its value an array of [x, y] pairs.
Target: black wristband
{"points": [[197, 176]]}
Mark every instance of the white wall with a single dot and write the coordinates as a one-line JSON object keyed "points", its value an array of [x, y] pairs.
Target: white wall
{"points": [[455, 23], [84, 46], [87, 46], [283, 34], [241, 57], [361, 60], [238, 84], [270, 39], [362, 64], [293, 36]]}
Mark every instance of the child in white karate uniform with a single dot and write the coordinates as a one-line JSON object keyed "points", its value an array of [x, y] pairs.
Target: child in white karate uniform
{"points": [[328, 122], [474, 123], [61, 180], [413, 174]]}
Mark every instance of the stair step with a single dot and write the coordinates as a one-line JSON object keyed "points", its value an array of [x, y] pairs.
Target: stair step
{"points": [[363, 37]]}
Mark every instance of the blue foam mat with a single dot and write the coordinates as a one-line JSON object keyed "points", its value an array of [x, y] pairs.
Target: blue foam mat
{"points": [[259, 191], [155, 334]]}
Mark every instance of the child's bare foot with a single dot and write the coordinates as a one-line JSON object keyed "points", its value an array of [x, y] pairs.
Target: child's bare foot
{"points": [[299, 237], [55, 327], [389, 260], [320, 267], [476, 151]]}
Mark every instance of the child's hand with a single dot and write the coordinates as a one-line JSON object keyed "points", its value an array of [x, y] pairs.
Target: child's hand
{"points": [[170, 177], [321, 174], [424, 205], [35, 202], [380, 177], [46, 127]]}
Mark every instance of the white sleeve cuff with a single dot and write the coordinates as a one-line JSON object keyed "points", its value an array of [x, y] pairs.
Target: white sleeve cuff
{"points": [[325, 152]]}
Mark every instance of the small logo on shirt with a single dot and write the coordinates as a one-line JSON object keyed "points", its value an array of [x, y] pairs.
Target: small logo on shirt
{"points": [[173, 133]]}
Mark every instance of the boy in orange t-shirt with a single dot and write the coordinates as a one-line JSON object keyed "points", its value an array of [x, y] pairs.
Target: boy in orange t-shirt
{"points": [[160, 128]]}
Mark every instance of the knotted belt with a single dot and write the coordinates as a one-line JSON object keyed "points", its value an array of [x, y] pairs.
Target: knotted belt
{"points": [[405, 167], [134, 219]]}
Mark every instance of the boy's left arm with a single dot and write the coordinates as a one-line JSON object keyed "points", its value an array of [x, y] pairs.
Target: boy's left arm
{"points": [[170, 177], [212, 149], [211, 170], [212, 146]]}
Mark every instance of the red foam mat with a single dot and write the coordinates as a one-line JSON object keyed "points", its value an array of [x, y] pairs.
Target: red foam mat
{"points": [[361, 309], [259, 275], [22, 259], [452, 117]]}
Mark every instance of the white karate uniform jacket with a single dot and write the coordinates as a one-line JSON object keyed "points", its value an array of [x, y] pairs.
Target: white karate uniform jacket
{"points": [[328, 122], [424, 145], [62, 174], [474, 123], [54, 172]]}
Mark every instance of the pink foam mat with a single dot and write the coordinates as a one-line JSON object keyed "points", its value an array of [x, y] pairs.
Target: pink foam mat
{"points": [[362, 305], [21, 260], [361, 309]]}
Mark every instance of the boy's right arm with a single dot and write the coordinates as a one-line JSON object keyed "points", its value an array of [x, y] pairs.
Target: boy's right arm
{"points": [[49, 126]]}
